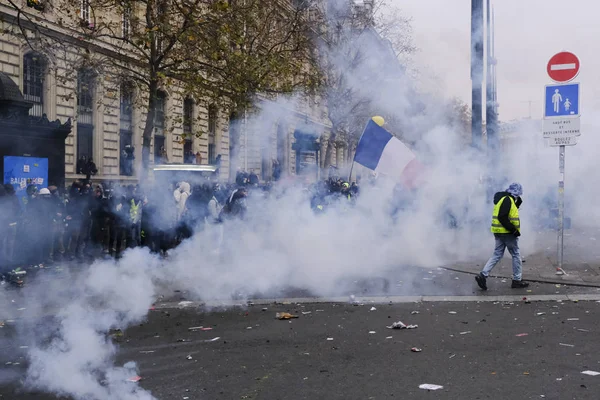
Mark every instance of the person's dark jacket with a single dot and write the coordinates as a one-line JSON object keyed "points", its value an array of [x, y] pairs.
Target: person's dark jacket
{"points": [[58, 209], [236, 204], [41, 211], [99, 208], [504, 211], [253, 179]]}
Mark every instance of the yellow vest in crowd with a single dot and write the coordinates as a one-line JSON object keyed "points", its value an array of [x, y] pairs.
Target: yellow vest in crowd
{"points": [[134, 211], [513, 216]]}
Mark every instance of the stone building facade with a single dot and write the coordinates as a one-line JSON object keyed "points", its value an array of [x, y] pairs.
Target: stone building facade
{"points": [[109, 116], [106, 117]]}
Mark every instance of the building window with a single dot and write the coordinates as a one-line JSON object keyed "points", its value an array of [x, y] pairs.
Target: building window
{"points": [[34, 70], [188, 153], [126, 23], [188, 116], [126, 131], [159, 118], [162, 16], [85, 114], [85, 13], [160, 153], [212, 133]]}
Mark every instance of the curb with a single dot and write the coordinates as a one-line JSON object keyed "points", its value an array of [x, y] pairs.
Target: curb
{"points": [[376, 300], [527, 278]]}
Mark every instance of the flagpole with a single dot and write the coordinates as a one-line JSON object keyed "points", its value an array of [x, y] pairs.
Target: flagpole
{"points": [[357, 143]]}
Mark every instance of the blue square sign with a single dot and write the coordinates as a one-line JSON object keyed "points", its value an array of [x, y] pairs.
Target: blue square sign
{"points": [[562, 100]]}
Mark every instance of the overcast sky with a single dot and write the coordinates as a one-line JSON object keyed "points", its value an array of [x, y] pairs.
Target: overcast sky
{"points": [[528, 33]]}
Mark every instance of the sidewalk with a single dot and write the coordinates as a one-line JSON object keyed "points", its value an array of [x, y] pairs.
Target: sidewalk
{"points": [[581, 261]]}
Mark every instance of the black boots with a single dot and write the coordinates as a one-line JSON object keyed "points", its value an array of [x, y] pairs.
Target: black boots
{"points": [[481, 281], [519, 284]]}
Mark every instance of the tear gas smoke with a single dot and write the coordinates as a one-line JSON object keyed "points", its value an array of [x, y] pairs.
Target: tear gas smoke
{"points": [[282, 243]]}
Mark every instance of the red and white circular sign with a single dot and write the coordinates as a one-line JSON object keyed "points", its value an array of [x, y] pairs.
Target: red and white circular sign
{"points": [[563, 67]]}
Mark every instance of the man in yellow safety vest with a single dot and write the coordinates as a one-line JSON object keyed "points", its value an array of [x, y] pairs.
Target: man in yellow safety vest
{"points": [[506, 227]]}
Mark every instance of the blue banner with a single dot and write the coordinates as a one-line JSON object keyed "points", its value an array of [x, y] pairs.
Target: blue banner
{"points": [[24, 171]]}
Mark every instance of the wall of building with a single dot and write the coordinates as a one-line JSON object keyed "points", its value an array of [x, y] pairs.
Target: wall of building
{"points": [[256, 152], [60, 99]]}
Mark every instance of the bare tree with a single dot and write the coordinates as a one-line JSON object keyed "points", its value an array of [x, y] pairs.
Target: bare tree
{"points": [[226, 51], [356, 40]]}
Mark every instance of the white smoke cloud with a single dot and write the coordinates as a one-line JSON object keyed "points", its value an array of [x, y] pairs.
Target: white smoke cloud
{"points": [[282, 243], [72, 354]]}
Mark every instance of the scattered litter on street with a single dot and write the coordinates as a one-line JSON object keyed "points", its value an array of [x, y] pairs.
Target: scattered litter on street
{"points": [[414, 312], [147, 351], [373, 309], [465, 333], [306, 312], [591, 373], [212, 340], [189, 357], [429, 386], [319, 310], [372, 332], [401, 325], [583, 330], [540, 313], [134, 379], [285, 315], [522, 334], [185, 303], [23, 347], [416, 350], [567, 345], [330, 338], [1, 324], [572, 319], [195, 328], [389, 337], [249, 328], [451, 312], [525, 373], [452, 356]]}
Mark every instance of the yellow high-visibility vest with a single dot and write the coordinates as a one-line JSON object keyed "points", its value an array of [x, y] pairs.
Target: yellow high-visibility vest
{"points": [[513, 216], [133, 211]]}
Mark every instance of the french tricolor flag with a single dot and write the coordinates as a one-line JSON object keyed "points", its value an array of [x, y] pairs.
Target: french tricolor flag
{"points": [[380, 151]]}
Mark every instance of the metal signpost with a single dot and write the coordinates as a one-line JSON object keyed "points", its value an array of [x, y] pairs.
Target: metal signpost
{"points": [[561, 125]]}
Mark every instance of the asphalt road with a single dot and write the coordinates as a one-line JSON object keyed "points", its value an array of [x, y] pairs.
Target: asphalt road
{"points": [[470, 348]]}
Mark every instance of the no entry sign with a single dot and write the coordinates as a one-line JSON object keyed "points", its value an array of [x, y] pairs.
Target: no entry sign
{"points": [[563, 67]]}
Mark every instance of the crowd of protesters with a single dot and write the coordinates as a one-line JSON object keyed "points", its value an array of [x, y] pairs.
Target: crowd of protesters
{"points": [[88, 221]]}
